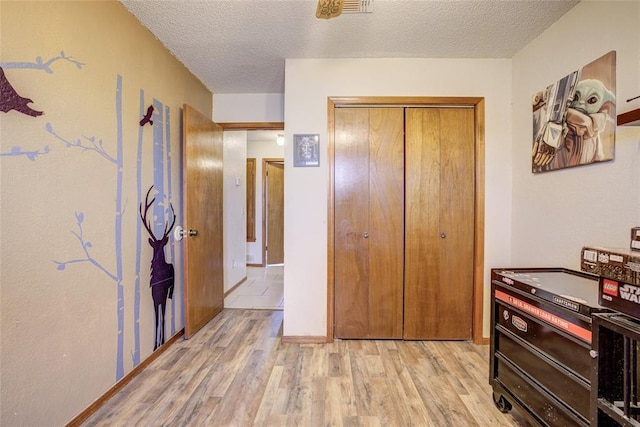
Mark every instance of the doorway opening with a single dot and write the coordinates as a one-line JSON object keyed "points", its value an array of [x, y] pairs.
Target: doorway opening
{"points": [[261, 144]]}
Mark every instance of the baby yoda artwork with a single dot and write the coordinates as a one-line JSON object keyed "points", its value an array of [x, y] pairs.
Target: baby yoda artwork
{"points": [[574, 118], [587, 117]]}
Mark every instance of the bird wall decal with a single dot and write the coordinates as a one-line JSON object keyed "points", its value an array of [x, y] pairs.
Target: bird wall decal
{"points": [[11, 100], [147, 117]]}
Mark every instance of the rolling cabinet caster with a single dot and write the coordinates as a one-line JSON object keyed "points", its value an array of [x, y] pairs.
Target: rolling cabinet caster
{"points": [[501, 403]]}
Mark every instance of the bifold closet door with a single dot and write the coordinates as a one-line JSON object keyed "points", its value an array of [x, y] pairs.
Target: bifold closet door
{"points": [[439, 223], [369, 222]]}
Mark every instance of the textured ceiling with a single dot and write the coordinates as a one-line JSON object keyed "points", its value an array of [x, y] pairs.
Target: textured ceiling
{"points": [[240, 46]]}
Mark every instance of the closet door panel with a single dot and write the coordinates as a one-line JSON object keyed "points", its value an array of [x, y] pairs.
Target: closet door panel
{"points": [[457, 197], [422, 259], [439, 223], [351, 221], [369, 215], [386, 222]]}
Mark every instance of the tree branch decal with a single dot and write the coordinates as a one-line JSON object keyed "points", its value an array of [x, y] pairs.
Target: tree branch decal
{"points": [[90, 144], [39, 64], [87, 143], [86, 245], [31, 155]]}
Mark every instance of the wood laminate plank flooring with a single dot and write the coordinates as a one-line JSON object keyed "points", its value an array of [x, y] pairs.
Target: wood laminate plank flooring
{"points": [[237, 372]]}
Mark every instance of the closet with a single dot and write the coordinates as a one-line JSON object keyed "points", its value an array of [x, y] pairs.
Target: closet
{"points": [[404, 200]]}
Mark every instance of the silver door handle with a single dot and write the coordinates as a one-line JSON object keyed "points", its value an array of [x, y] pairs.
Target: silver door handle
{"points": [[179, 233], [443, 236], [366, 235]]}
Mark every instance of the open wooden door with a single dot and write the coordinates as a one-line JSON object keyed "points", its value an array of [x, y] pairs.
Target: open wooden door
{"points": [[274, 212], [203, 251]]}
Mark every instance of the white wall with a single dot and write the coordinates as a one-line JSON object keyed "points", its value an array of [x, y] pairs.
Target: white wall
{"points": [[308, 84], [556, 213], [260, 150], [234, 211], [248, 107]]}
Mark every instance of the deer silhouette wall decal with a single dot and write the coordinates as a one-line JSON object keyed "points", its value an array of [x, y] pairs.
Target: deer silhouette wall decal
{"points": [[162, 273]]}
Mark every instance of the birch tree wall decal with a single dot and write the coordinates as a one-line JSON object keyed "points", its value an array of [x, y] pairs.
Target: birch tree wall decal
{"points": [[135, 356], [31, 155], [170, 197], [161, 154], [89, 144], [39, 64]]}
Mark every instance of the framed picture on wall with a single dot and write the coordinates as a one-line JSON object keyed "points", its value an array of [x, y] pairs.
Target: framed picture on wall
{"points": [[574, 118], [306, 150]]}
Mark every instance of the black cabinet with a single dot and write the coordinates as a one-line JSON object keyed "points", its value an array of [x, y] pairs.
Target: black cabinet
{"points": [[615, 377], [541, 342]]}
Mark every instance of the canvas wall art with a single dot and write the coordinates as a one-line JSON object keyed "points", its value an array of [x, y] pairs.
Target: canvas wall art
{"points": [[574, 118]]}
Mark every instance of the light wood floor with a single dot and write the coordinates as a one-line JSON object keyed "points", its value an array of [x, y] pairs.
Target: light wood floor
{"points": [[237, 372]]}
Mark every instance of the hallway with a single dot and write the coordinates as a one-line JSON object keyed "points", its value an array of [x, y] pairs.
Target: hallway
{"points": [[263, 289]]}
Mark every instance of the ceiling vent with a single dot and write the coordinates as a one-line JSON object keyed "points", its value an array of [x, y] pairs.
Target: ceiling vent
{"points": [[357, 6]]}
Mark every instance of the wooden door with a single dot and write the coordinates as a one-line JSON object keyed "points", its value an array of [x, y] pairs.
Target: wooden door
{"points": [[438, 299], [203, 255], [369, 215], [275, 212], [251, 199]]}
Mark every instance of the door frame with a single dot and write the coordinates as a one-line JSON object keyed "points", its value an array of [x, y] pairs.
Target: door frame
{"points": [[477, 103], [265, 162]]}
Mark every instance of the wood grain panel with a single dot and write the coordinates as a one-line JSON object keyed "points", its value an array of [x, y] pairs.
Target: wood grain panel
{"points": [[422, 217], [275, 213], [386, 222], [457, 222], [369, 216], [478, 244], [251, 199], [203, 254], [351, 222], [439, 223]]}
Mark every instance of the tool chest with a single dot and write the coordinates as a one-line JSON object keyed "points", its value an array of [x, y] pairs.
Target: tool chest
{"points": [[541, 359]]}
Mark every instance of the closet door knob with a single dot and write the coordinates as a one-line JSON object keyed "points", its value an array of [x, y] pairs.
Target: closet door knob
{"points": [[366, 235], [443, 236]]}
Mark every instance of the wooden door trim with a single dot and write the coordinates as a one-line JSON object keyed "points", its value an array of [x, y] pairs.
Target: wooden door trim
{"points": [[266, 160], [252, 126], [477, 103]]}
